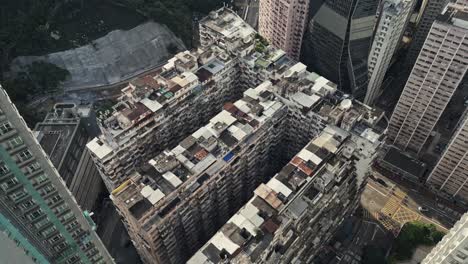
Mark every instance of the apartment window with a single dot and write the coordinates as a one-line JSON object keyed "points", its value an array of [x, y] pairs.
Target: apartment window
{"points": [[27, 204], [17, 195], [34, 215], [41, 223], [59, 209], [56, 238], [15, 142], [34, 167], [5, 128], [40, 179], [8, 184], [3, 169], [25, 155], [48, 231]]}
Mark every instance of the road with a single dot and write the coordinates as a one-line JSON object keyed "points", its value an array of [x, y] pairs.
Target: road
{"points": [[400, 205]]}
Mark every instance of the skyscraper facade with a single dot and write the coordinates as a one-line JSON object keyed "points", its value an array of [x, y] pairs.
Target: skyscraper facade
{"points": [[432, 9], [283, 23], [338, 40], [450, 176], [36, 209], [439, 69], [63, 135], [453, 249], [393, 19]]}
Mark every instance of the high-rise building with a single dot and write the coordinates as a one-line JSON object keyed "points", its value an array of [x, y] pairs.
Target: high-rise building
{"points": [[187, 193], [453, 249], [37, 211], [439, 69], [393, 18], [291, 217], [175, 200], [283, 23], [431, 10], [63, 135], [338, 40], [156, 112], [450, 176]]}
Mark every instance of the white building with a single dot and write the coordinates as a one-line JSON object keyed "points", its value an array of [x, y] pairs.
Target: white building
{"points": [[453, 248], [393, 19]]}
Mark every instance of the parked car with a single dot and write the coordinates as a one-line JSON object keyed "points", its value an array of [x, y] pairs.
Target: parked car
{"points": [[382, 182], [423, 209]]}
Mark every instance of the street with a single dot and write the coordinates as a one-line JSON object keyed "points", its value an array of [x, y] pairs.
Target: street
{"points": [[393, 205]]}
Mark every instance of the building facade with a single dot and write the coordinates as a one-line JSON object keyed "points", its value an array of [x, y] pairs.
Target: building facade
{"points": [[393, 18], [156, 112], [291, 217], [283, 23], [449, 178], [37, 210], [431, 10], [190, 191], [338, 40], [175, 200], [439, 69], [63, 135], [453, 249]]}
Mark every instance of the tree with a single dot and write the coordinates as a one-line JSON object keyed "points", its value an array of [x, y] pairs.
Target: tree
{"points": [[412, 235], [373, 255]]}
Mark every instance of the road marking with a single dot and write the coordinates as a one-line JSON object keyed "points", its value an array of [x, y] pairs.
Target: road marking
{"points": [[372, 187], [373, 235]]}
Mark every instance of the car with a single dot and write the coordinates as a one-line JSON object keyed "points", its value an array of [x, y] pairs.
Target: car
{"points": [[423, 209], [382, 182]]}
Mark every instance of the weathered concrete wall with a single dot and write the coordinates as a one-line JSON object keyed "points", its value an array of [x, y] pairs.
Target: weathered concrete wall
{"points": [[117, 56]]}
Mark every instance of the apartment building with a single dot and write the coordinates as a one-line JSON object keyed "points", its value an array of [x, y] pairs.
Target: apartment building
{"points": [[439, 69], [453, 249], [338, 40], [63, 135], [393, 18], [450, 176], [175, 200], [431, 10], [37, 211], [156, 112], [295, 214], [283, 23], [190, 191]]}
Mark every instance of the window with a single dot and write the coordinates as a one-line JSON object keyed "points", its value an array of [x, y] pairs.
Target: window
{"points": [[41, 223], [34, 167], [34, 215], [5, 128], [40, 179], [8, 184], [48, 231], [17, 195], [25, 155], [3, 169], [16, 141], [27, 204]]}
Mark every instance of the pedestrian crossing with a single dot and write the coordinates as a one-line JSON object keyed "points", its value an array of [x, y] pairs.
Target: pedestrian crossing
{"points": [[391, 206]]}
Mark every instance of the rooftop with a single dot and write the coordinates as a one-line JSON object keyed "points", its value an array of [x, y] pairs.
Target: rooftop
{"points": [[304, 184], [405, 163], [56, 132], [207, 150]]}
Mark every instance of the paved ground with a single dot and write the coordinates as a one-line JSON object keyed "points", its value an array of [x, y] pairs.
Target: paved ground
{"points": [[394, 205]]}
